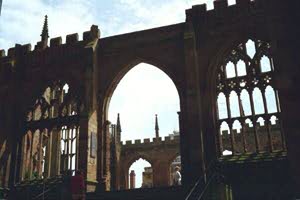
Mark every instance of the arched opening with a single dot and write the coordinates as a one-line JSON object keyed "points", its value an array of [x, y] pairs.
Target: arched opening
{"points": [[143, 110], [140, 174]]}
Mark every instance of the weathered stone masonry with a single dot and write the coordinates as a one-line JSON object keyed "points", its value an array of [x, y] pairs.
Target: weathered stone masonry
{"points": [[190, 53]]}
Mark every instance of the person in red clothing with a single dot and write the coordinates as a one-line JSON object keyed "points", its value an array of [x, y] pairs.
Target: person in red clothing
{"points": [[78, 186]]}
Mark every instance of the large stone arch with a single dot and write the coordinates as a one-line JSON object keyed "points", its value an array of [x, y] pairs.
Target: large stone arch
{"points": [[114, 80], [108, 84]]}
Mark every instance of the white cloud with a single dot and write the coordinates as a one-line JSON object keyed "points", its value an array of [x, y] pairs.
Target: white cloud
{"points": [[21, 21]]}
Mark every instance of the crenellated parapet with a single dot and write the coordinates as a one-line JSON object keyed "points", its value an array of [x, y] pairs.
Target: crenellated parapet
{"points": [[156, 142], [56, 54], [225, 19], [222, 9]]}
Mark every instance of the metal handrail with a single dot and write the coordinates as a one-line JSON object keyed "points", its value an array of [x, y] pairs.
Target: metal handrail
{"points": [[200, 179], [207, 185], [45, 191]]}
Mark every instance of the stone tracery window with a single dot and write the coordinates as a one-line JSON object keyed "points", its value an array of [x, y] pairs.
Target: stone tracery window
{"points": [[247, 101], [52, 122]]}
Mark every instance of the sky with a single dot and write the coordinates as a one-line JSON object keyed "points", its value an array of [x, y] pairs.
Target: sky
{"points": [[21, 22]]}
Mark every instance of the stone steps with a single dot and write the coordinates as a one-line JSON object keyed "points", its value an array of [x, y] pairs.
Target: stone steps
{"points": [[173, 193]]}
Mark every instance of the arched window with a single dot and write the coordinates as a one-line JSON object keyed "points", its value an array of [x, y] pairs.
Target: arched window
{"points": [[230, 70], [222, 107], [247, 101], [241, 68], [246, 105], [258, 101], [265, 64], [53, 118]]}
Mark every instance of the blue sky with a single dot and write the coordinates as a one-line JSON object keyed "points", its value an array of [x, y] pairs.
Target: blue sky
{"points": [[21, 22]]}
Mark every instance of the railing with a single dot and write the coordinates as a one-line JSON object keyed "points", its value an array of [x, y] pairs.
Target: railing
{"points": [[4, 193], [45, 191], [35, 189], [54, 188], [203, 183]]}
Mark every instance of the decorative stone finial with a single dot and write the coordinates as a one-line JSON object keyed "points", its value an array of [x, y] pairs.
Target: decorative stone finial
{"points": [[156, 127], [45, 31], [119, 124]]}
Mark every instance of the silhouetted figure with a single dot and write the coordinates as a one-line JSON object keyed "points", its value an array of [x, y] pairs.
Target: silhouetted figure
{"points": [[78, 186]]}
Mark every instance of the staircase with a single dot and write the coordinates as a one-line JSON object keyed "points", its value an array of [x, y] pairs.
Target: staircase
{"points": [[38, 189], [243, 177], [173, 193]]}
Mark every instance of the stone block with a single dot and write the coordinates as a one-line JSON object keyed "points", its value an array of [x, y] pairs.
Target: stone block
{"points": [[2, 53], [137, 141], [147, 140], [128, 142], [55, 42], [72, 38], [11, 52]]}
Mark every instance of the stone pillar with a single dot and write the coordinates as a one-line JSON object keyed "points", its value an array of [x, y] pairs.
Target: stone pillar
{"points": [[55, 152], [83, 145], [47, 165], [288, 84], [23, 157], [161, 173], [40, 156], [132, 179], [191, 125]]}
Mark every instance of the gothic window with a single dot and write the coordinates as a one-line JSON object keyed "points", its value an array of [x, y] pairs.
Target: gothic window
{"points": [[241, 68], [234, 104], [230, 70], [69, 138], [246, 105], [265, 64], [55, 113], [247, 101], [222, 107], [258, 101]]}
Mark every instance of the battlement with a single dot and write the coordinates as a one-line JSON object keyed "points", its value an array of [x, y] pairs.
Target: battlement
{"points": [[223, 9], [156, 141], [71, 40]]}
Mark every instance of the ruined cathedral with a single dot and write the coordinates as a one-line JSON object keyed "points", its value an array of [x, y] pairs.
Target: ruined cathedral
{"points": [[236, 72]]}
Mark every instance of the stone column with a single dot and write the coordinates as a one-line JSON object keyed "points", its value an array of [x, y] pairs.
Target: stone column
{"points": [[83, 145], [55, 151], [191, 124], [47, 165], [161, 173]]}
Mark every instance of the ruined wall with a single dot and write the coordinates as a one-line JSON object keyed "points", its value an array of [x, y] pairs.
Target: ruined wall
{"points": [[189, 53]]}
